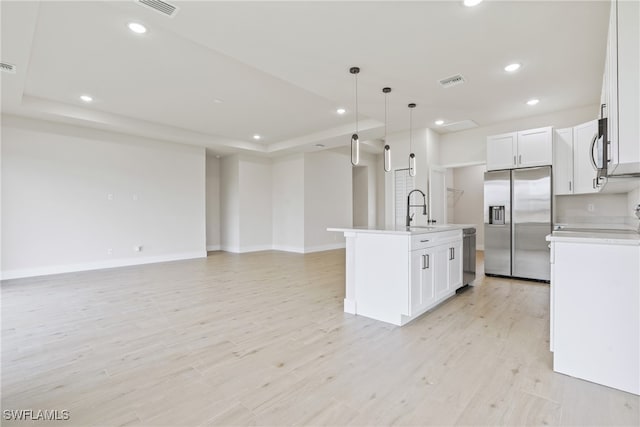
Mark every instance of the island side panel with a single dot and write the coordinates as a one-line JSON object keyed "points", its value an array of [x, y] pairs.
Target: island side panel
{"points": [[350, 273], [382, 276]]}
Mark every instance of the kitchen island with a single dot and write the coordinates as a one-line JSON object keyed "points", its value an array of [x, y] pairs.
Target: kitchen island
{"points": [[397, 274]]}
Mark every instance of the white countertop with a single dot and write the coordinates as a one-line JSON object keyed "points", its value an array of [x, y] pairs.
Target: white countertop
{"points": [[403, 230], [600, 236]]}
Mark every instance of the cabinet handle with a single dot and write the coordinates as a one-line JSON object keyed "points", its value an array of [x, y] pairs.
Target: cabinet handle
{"points": [[520, 159], [424, 241], [453, 253], [593, 183], [425, 261], [514, 160], [569, 185]]}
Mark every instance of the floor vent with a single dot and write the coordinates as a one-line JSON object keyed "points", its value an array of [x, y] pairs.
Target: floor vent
{"points": [[8, 68], [159, 6], [452, 81]]}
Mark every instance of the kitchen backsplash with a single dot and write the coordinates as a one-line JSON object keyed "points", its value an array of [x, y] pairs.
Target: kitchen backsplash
{"points": [[612, 209]]}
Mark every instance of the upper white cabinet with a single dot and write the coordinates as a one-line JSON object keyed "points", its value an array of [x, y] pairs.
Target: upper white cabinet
{"points": [[621, 86], [501, 151], [583, 170], [573, 172], [563, 161], [521, 149]]}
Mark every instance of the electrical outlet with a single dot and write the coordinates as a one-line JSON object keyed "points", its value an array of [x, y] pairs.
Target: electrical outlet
{"points": [[110, 196], [137, 248], [591, 207], [109, 251], [135, 197]]}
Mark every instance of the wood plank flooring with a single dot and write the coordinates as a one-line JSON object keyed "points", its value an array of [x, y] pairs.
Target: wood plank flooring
{"points": [[261, 339]]}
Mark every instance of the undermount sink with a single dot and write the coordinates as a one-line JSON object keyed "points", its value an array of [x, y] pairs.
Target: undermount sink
{"points": [[422, 227]]}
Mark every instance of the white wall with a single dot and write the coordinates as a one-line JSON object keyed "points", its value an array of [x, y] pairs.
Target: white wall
{"points": [[468, 206], [288, 203], [255, 191], [360, 181], [230, 203], [213, 202], [607, 209], [461, 148], [327, 198], [76, 199]]}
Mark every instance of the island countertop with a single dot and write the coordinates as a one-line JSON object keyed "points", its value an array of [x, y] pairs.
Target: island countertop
{"points": [[413, 230]]}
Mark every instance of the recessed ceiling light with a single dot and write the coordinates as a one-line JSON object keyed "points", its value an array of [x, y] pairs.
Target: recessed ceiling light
{"points": [[217, 101], [471, 3], [512, 67], [320, 145], [439, 122], [137, 28], [341, 111], [256, 136], [86, 98], [533, 101]]}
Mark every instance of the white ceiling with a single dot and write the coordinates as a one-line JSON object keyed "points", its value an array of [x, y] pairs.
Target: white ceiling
{"points": [[281, 68]]}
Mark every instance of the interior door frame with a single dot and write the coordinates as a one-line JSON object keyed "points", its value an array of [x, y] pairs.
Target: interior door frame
{"points": [[443, 172]]}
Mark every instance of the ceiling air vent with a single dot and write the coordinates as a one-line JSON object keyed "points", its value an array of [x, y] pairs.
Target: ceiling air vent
{"points": [[8, 68], [458, 126], [159, 6], [452, 81]]}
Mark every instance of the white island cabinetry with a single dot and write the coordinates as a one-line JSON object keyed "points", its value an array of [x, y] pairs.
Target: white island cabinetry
{"points": [[396, 275]]}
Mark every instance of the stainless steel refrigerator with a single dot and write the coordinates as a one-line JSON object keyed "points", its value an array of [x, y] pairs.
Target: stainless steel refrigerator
{"points": [[517, 218]]}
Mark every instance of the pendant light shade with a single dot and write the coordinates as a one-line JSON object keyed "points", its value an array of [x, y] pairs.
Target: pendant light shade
{"points": [[355, 140], [412, 156], [387, 148]]}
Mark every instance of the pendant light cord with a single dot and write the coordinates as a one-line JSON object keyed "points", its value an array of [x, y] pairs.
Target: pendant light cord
{"points": [[356, 102], [410, 130], [385, 117]]}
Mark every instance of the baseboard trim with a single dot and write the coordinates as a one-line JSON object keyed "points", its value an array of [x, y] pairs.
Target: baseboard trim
{"points": [[321, 248], [98, 265], [213, 248], [479, 247], [284, 248], [246, 249]]}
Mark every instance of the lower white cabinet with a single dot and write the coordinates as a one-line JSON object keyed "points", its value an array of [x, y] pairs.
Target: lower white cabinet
{"points": [[436, 273], [595, 312]]}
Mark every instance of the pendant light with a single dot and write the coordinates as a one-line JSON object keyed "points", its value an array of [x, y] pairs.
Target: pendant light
{"points": [[412, 156], [387, 148], [355, 142]]}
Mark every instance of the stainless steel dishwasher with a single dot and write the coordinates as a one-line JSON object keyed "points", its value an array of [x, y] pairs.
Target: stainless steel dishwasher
{"points": [[469, 255]]}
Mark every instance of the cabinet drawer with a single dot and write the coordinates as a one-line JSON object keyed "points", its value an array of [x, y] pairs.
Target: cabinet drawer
{"points": [[428, 240]]}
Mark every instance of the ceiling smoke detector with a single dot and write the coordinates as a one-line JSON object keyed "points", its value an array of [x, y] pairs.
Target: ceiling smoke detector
{"points": [[452, 81], [7, 68], [159, 6]]}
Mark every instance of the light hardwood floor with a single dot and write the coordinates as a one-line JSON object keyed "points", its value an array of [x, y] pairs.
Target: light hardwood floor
{"points": [[262, 339]]}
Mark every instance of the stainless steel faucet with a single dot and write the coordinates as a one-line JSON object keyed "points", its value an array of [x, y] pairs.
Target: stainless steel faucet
{"points": [[409, 205]]}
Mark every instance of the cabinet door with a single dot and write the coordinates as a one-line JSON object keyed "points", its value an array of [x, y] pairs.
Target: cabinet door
{"points": [[535, 147], [563, 161], [455, 266], [415, 285], [441, 270], [583, 170], [625, 148], [428, 291], [612, 89], [501, 151]]}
